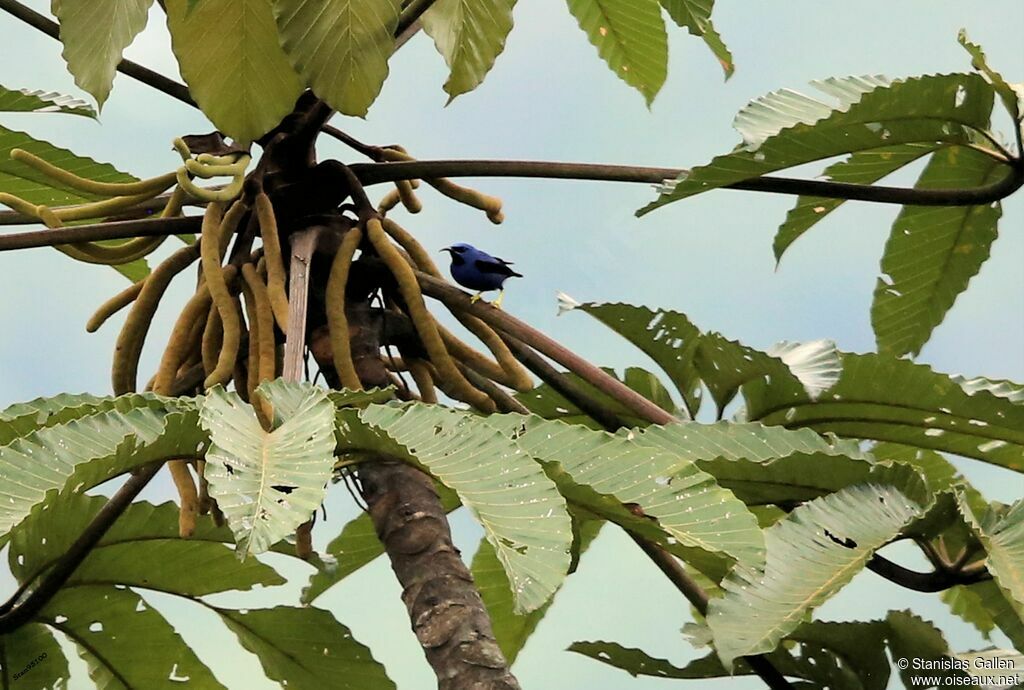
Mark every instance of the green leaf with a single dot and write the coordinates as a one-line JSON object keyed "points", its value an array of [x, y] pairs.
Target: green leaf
{"points": [[30, 653], [268, 483], [95, 34], [695, 16], [26, 101], [229, 56], [933, 252], [1002, 535], [860, 167], [143, 536], [1002, 613], [883, 398], [126, 643], [1014, 392], [921, 644], [811, 554], [1008, 94], [21, 419], [938, 472], [965, 603], [306, 648], [470, 34], [520, 509], [630, 36], [634, 661], [936, 108], [340, 47]]}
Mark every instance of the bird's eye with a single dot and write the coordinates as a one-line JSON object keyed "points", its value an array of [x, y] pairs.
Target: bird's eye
{"points": [[458, 250]]}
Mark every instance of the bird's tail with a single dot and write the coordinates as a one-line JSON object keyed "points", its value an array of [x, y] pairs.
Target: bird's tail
{"points": [[513, 274]]}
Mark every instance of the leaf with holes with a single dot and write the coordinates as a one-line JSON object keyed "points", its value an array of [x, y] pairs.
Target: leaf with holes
{"points": [[21, 419], [340, 47], [695, 17], [1010, 94], [811, 555], [630, 36], [1002, 535], [268, 483], [26, 101], [31, 648], [470, 34]]}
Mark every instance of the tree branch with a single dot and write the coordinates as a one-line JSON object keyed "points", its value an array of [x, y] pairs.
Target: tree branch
{"points": [[116, 230], [935, 581], [132, 69], [408, 20], [375, 173]]}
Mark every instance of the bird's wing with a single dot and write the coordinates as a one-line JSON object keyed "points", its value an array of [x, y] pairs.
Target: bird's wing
{"points": [[494, 265]]}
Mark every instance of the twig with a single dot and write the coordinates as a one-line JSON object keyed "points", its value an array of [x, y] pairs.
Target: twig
{"points": [[116, 230], [408, 21], [935, 581]]}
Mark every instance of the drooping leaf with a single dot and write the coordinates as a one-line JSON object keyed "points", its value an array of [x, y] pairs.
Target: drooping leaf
{"points": [[1010, 94], [1002, 535], [811, 554], [340, 47], [926, 652], [95, 34], [306, 648], [883, 398], [860, 167], [965, 603], [142, 549], [470, 34], [933, 252], [630, 36], [947, 108], [125, 643], [1002, 613], [695, 16], [26, 101], [31, 657], [520, 509], [268, 483], [229, 56]]}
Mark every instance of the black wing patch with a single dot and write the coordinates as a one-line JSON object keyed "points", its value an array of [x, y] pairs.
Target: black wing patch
{"points": [[499, 266]]}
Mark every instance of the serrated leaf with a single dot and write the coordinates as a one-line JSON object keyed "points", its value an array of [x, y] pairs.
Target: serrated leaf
{"points": [[933, 252], [1014, 392], [268, 483], [142, 549], [95, 34], [229, 56], [340, 47], [306, 648], [1010, 96], [26, 101], [916, 640], [1005, 617], [811, 554], [947, 108], [126, 643], [630, 36], [965, 603], [860, 167], [1002, 535], [30, 654], [938, 472], [21, 419], [695, 16], [882, 398], [470, 34], [523, 515]]}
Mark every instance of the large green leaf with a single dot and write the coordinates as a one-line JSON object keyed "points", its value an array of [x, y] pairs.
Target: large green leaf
{"points": [[126, 643], [887, 399], [95, 34], [811, 554], [21, 419], [470, 34], [306, 649], [31, 658], [924, 651], [994, 606], [269, 483], [966, 603], [25, 101], [695, 16], [860, 167], [229, 56], [520, 509], [340, 47], [933, 252], [630, 36], [1010, 94], [1002, 535], [936, 108]]}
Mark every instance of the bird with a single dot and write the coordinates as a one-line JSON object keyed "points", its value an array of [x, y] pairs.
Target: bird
{"points": [[478, 270]]}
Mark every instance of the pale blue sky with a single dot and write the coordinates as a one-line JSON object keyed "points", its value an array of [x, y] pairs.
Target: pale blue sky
{"points": [[550, 97]]}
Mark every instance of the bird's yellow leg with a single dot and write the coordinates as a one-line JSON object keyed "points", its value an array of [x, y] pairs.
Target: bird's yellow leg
{"points": [[497, 302], [475, 298]]}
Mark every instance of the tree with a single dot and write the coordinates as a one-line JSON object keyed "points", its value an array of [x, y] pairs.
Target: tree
{"points": [[534, 467]]}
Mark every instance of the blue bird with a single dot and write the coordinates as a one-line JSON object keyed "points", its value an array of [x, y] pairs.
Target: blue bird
{"points": [[479, 270]]}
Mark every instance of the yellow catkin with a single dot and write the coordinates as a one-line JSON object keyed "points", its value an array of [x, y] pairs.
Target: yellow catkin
{"points": [[95, 253], [211, 261], [276, 289], [408, 196], [422, 320], [113, 305], [388, 201], [507, 370], [424, 381], [212, 338], [98, 209], [153, 185], [252, 359], [205, 502], [266, 365], [174, 204], [226, 193], [337, 322], [188, 494], [304, 540], [490, 205], [208, 170], [136, 326]]}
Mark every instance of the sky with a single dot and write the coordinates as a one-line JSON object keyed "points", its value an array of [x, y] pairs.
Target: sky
{"points": [[550, 97]]}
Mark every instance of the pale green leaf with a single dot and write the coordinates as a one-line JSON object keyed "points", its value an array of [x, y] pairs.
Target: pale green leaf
{"points": [[306, 648], [630, 36], [26, 101], [126, 643], [933, 252], [948, 108], [32, 659], [268, 483], [21, 419], [1014, 392], [1002, 613], [811, 554], [1010, 96], [340, 47], [695, 16], [916, 640], [95, 34], [938, 472], [229, 56], [470, 34], [965, 603], [1002, 535]]}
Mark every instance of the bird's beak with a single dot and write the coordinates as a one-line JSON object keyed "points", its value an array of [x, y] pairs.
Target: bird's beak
{"points": [[446, 249]]}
